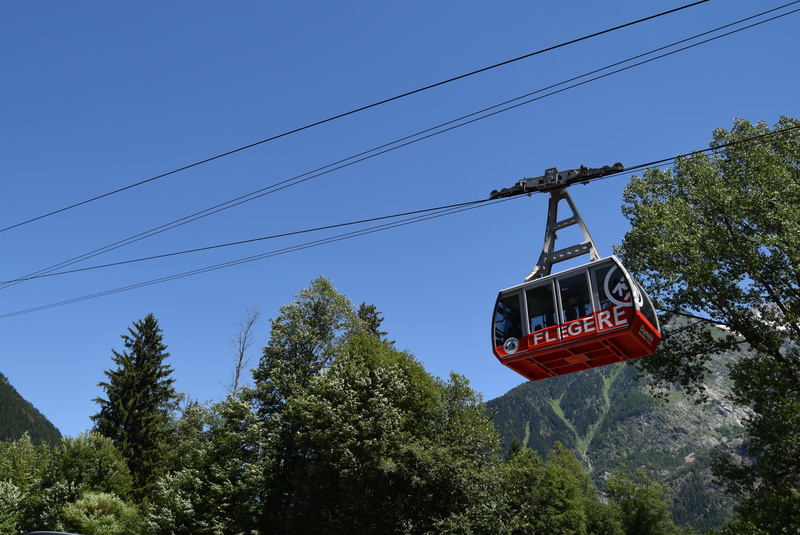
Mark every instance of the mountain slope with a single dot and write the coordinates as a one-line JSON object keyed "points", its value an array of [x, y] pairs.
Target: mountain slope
{"points": [[613, 423], [18, 416]]}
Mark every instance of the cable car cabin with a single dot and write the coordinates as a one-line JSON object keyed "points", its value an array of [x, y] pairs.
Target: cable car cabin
{"points": [[581, 318]]}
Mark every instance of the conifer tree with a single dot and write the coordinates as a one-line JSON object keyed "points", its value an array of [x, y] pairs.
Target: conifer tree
{"points": [[139, 397], [372, 320]]}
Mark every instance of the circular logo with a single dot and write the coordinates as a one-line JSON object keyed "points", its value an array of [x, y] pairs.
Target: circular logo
{"points": [[511, 346], [620, 293]]}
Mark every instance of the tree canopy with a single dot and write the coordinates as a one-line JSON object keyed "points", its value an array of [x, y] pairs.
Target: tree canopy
{"points": [[717, 236], [303, 341], [341, 432]]}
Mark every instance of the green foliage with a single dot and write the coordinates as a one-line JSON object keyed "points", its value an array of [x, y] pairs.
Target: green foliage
{"points": [[372, 320], [518, 485], [20, 472], [11, 501], [525, 495], [100, 514], [642, 503], [21, 462], [87, 464], [19, 417], [565, 494], [137, 414], [38, 484], [341, 433], [530, 407], [768, 482], [303, 341], [674, 439], [575, 410], [377, 434], [217, 482], [719, 236]]}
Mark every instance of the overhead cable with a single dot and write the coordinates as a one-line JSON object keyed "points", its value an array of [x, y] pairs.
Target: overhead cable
{"points": [[386, 226], [352, 112], [252, 240], [415, 217], [414, 138], [715, 148]]}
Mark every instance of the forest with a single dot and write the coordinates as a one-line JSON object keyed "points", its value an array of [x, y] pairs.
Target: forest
{"points": [[19, 417], [341, 432]]}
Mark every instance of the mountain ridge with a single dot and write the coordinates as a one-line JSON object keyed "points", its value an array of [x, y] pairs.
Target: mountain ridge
{"points": [[613, 422], [18, 416]]}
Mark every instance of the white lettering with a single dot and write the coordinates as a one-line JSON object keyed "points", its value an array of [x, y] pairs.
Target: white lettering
{"points": [[646, 336], [578, 327], [544, 337], [618, 316], [604, 320], [576, 330]]}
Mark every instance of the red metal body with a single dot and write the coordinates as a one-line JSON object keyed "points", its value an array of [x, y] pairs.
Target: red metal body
{"points": [[538, 334], [601, 338], [577, 319]]}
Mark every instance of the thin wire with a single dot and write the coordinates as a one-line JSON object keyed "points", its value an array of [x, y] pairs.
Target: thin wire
{"points": [[341, 237], [715, 148], [416, 217], [252, 240], [352, 112], [278, 252], [694, 316], [394, 145]]}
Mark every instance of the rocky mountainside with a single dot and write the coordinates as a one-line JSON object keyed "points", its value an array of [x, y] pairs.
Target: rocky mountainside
{"points": [[18, 416], [612, 423]]}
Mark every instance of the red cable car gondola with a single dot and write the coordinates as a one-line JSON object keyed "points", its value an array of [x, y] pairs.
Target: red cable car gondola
{"points": [[588, 316]]}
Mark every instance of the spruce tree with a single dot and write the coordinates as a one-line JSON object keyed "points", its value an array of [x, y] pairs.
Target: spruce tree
{"points": [[139, 398]]}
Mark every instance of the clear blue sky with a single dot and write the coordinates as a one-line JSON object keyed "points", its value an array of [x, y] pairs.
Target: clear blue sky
{"points": [[95, 96]]}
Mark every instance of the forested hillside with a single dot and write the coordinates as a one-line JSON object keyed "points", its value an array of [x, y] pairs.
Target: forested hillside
{"points": [[18, 417], [613, 424]]}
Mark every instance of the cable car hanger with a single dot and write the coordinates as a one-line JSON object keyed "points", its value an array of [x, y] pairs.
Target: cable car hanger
{"points": [[581, 318], [556, 183]]}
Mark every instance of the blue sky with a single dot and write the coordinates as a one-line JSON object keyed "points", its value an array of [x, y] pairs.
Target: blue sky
{"points": [[95, 96]]}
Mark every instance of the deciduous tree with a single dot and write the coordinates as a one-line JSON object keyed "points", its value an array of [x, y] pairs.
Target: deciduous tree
{"points": [[87, 464], [216, 486], [359, 438], [718, 236], [377, 445], [642, 503], [241, 343], [21, 467], [100, 513], [303, 340]]}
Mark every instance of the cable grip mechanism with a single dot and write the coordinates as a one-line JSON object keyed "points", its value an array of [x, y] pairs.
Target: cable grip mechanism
{"points": [[556, 182]]}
